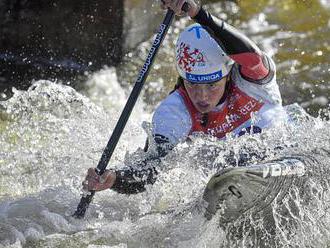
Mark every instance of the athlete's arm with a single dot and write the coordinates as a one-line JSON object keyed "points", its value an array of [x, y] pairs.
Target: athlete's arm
{"points": [[171, 123], [254, 65], [134, 178]]}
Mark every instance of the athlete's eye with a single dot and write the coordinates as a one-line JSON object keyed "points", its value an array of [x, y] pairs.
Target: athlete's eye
{"points": [[212, 86]]}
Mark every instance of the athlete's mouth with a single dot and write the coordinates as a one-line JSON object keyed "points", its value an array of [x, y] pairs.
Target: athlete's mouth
{"points": [[203, 105]]}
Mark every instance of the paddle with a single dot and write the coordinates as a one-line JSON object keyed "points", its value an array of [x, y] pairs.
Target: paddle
{"points": [[109, 149]]}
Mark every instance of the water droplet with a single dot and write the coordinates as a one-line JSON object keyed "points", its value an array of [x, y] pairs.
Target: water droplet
{"points": [[319, 53]]}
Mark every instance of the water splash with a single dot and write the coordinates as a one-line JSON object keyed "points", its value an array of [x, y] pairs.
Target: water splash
{"points": [[51, 134]]}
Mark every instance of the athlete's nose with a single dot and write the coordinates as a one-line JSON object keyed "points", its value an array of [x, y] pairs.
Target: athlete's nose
{"points": [[203, 94]]}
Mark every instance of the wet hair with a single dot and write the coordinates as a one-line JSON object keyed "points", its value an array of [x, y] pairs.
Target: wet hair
{"points": [[179, 83]]}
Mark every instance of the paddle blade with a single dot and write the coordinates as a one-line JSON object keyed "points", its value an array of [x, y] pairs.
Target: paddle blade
{"points": [[83, 205]]}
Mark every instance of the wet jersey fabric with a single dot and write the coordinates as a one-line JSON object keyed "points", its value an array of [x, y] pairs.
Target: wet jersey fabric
{"points": [[253, 102]]}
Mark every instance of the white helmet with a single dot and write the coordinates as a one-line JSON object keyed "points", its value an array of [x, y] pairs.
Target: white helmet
{"points": [[199, 58]]}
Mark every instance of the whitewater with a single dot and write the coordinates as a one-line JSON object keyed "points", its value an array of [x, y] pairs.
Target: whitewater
{"points": [[51, 134]]}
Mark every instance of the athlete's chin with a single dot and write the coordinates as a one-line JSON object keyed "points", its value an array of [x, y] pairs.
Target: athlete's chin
{"points": [[203, 109]]}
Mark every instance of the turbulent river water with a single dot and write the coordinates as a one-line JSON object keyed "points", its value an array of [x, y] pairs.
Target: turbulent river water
{"points": [[52, 133]]}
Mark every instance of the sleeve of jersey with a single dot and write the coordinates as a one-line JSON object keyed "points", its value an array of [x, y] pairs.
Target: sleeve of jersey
{"points": [[254, 65], [134, 178], [172, 120]]}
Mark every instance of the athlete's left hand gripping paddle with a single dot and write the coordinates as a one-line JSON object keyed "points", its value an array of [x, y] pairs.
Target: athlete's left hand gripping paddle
{"points": [[108, 151]]}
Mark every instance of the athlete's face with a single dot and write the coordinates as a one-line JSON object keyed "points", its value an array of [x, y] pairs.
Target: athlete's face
{"points": [[205, 96]]}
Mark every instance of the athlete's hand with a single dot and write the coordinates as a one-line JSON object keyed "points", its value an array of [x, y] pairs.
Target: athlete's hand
{"points": [[97, 183], [176, 6]]}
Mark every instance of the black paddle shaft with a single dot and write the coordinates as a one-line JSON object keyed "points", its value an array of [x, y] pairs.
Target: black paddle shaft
{"points": [[109, 149]]}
